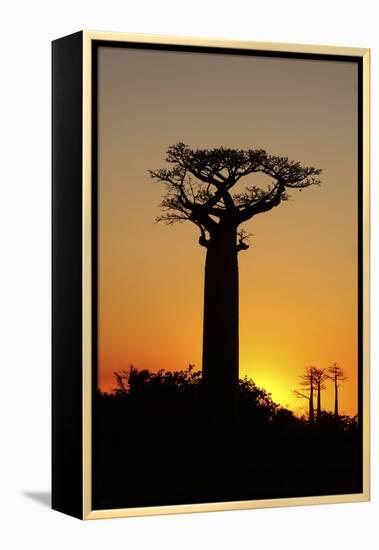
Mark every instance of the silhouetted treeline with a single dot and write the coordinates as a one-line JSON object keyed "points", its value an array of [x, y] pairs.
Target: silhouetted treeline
{"points": [[153, 445]]}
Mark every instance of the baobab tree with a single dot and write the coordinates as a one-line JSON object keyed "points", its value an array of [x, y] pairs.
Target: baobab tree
{"points": [[201, 188], [307, 381], [337, 375], [320, 376]]}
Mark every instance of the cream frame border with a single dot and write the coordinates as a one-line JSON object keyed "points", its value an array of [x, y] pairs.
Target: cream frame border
{"points": [[364, 53]]}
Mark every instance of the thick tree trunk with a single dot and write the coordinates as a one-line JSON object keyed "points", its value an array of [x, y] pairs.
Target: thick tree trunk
{"points": [[220, 334]]}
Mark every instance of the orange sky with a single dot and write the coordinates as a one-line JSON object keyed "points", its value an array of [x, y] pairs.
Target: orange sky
{"points": [[298, 282]]}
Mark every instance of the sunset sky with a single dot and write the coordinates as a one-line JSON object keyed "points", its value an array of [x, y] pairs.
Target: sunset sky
{"points": [[298, 280]]}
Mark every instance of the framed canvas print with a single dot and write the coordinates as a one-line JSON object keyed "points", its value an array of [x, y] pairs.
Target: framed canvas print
{"points": [[210, 275]]}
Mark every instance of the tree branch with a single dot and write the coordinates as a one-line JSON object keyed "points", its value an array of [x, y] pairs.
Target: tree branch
{"points": [[216, 171], [300, 395]]}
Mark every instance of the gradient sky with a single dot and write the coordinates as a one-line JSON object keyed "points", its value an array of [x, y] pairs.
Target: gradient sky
{"points": [[298, 280]]}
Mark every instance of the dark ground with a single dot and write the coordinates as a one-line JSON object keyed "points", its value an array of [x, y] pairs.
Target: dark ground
{"points": [[151, 448]]}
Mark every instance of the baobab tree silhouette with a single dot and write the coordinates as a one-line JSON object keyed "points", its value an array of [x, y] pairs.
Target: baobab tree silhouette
{"points": [[308, 381], [336, 375], [320, 376], [199, 187]]}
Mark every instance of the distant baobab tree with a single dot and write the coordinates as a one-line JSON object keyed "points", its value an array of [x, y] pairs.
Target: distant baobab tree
{"points": [[320, 376], [337, 375], [308, 381], [201, 188]]}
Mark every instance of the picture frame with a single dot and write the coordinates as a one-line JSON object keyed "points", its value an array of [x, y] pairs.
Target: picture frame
{"points": [[92, 468]]}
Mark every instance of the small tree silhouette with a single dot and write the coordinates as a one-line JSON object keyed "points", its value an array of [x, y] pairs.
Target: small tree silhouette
{"points": [[320, 376], [337, 375], [307, 381], [199, 188]]}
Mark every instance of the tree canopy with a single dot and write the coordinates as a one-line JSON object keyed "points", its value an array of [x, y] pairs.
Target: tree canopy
{"points": [[199, 186]]}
